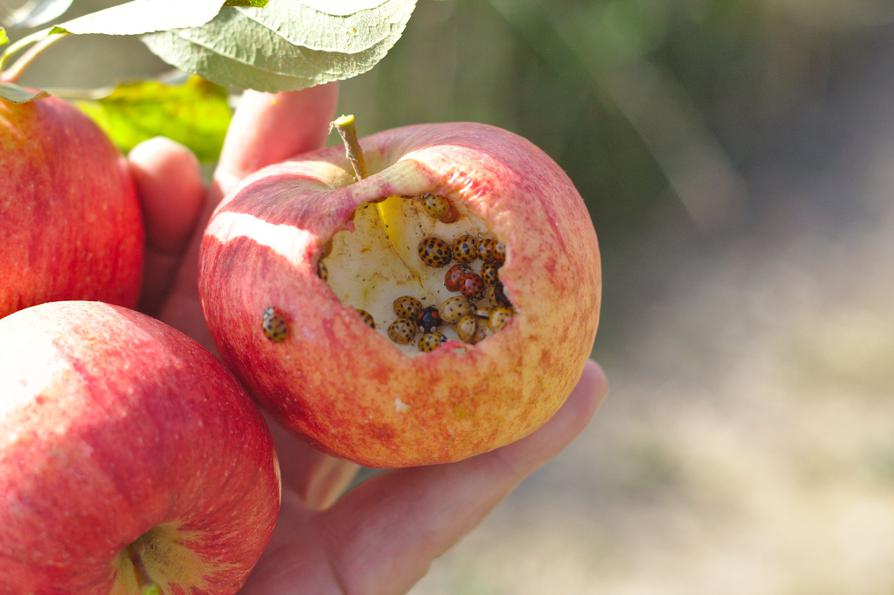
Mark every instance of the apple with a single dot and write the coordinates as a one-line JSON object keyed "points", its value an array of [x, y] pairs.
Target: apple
{"points": [[433, 297], [130, 459], [69, 215]]}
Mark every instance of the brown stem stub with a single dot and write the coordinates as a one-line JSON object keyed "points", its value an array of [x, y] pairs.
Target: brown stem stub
{"points": [[347, 130], [144, 581]]}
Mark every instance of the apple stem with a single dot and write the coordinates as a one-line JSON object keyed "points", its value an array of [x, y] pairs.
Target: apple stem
{"points": [[347, 130], [144, 581], [38, 42]]}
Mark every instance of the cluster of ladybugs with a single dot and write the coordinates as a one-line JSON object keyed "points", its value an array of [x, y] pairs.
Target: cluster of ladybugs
{"points": [[470, 321]]}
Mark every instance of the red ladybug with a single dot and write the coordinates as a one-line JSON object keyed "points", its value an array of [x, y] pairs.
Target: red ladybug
{"points": [[472, 286]]}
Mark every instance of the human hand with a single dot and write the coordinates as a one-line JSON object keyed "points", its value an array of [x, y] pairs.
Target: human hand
{"points": [[382, 536]]}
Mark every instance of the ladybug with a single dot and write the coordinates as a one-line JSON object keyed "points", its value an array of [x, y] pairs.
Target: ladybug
{"points": [[454, 278], [406, 306], [498, 318], [489, 273], [402, 331], [472, 286], [494, 293], [492, 251], [467, 329], [465, 248], [431, 341], [454, 308], [367, 318], [438, 207], [429, 319], [273, 325], [434, 252]]}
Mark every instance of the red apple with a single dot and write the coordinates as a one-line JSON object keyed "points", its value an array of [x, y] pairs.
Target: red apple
{"points": [[297, 264], [129, 458], [69, 216]]}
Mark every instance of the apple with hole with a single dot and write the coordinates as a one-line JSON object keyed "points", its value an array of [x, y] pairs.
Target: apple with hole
{"points": [[431, 296], [69, 215], [131, 460]]}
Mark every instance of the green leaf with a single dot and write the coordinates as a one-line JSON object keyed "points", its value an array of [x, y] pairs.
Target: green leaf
{"points": [[3, 38], [144, 16], [17, 94], [344, 7], [299, 23], [35, 13], [195, 114], [236, 49], [255, 3]]}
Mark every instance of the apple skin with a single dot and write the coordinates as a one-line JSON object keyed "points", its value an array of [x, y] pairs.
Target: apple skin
{"points": [[111, 424], [336, 381], [69, 215]]}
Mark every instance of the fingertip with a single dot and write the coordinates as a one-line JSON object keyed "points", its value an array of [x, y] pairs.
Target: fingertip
{"points": [[529, 453], [156, 146], [169, 183], [581, 405], [268, 128], [592, 386]]}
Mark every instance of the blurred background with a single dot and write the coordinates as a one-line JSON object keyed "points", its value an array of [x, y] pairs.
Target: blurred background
{"points": [[737, 157]]}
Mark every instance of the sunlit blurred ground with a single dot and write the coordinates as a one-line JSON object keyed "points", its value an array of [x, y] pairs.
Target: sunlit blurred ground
{"points": [[747, 444]]}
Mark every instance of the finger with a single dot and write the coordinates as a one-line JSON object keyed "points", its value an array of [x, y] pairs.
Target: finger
{"points": [[170, 188], [317, 479], [383, 535], [292, 562], [269, 128]]}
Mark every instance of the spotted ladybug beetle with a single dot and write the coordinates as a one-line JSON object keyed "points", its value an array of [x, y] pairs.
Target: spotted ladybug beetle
{"points": [[406, 306], [453, 279], [402, 331], [490, 250], [472, 286], [434, 252], [439, 207], [454, 308], [431, 341], [273, 325], [467, 329], [367, 318], [429, 319], [465, 248]]}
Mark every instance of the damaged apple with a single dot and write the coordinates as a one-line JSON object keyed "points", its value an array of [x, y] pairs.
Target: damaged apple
{"points": [[429, 297]]}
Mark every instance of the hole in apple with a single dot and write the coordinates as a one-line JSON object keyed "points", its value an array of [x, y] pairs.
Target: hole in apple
{"points": [[420, 270]]}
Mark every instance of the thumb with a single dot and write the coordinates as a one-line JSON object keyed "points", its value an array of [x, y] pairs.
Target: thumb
{"points": [[268, 128]]}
